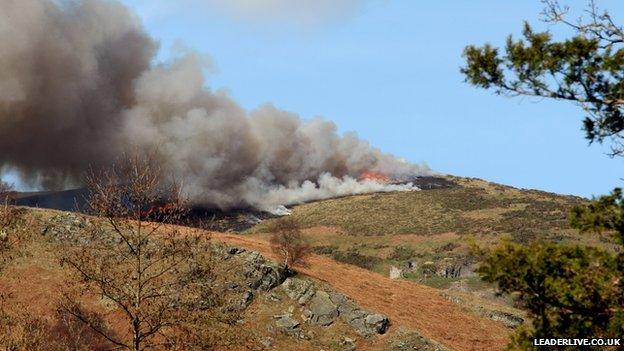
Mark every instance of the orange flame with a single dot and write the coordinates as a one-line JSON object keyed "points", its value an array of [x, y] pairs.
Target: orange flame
{"points": [[159, 209], [374, 176]]}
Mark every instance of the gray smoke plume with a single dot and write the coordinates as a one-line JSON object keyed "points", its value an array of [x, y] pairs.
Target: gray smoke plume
{"points": [[78, 88]]}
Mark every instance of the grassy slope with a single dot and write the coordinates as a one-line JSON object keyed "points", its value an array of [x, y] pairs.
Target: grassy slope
{"points": [[32, 282], [475, 207], [406, 304], [377, 231]]}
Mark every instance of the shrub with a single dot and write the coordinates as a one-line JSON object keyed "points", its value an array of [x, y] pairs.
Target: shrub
{"points": [[288, 243], [354, 257], [402, 253]]}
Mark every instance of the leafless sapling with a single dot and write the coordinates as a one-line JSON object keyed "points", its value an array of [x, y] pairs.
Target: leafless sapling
{"points": [[155, 275]]}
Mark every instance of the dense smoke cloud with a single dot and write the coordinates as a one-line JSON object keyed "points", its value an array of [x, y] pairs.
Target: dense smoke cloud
{"points": [[77, 88]]}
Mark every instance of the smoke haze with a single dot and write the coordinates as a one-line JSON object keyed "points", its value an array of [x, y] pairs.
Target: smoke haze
{"points": [[78, 88]]}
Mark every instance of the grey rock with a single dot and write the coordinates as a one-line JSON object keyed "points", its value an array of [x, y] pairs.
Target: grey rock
{"points": [[348, 344], [267, 342], [306, 314], [337, 298], [409, 340], [323, 311], [254, 257], [234, 250], [377, 323], [273, 297], [266, 277], [323, 308], [353, 314], [395, 272], [365, 323], [247, 298], [70, 227], [287, 323], [345, 307], [297, 288], [305, 298], [260, 274], [508, 319]]}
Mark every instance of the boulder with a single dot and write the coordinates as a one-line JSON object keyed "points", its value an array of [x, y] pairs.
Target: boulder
{"points": [[299, 289], [305, 298], [395, 272], [260, 274], [364, 322], [234, 250], [68, 227], [348, 344], [266, 277], [254, 257], [376, 323], [322, 309], [286, 323], [247, 298]]}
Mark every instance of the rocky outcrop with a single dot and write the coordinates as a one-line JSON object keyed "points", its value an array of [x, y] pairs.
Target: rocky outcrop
{"points": [[508, 319], [67, 226], [318, 305], [286, 322], [365, 322], [261, 274], [323, 308], [410, 340]]}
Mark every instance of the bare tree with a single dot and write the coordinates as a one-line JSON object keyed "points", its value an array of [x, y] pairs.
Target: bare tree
{"points": [[5, 190], [8, 216], [288, 242], [157, 276]]}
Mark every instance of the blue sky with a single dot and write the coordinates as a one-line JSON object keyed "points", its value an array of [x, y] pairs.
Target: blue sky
{"points": [[389, 70]]}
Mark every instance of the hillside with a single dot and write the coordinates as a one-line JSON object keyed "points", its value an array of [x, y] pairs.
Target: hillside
{"points": [[403, 256], [425, 236], [407, 304], [33, 285], [472, 206]]}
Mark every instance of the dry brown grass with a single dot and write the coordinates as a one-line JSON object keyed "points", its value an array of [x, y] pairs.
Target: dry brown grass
{"points": [[36, 280], [405, 303]]}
